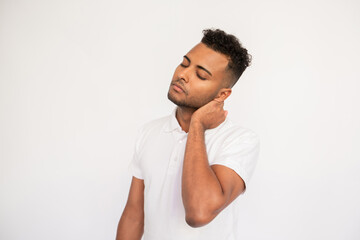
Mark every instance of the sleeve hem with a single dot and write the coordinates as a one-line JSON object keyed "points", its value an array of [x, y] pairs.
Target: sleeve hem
{"points": [[239, 172]]}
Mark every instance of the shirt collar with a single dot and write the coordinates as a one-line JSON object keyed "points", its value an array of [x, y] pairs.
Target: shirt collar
{"points": [[173, 125]]}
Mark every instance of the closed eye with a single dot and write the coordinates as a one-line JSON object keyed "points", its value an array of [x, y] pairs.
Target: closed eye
{"points": [[183, 65], [196, 73], [200, 77]]}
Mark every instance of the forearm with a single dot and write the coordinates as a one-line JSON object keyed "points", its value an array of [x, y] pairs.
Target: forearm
{"points": [[129, 227], [201, 189]]}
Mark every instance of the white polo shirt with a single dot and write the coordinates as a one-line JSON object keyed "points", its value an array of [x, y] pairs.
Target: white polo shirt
{"points": [[158, 160]]}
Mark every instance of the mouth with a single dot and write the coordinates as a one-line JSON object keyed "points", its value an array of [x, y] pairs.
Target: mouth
{"points": [[177, 87]]}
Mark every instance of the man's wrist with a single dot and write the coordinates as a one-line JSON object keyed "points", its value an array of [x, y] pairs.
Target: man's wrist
{"points": [[196, 125]]}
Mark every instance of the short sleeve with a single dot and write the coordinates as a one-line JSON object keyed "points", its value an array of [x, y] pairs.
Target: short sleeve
{"points": [[240, 152], [135, 165]]}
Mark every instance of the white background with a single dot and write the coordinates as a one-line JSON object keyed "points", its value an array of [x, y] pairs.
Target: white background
{"points": [[78, 78]]}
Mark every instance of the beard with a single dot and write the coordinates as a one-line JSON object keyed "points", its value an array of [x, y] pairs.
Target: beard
{"points": [[192, 102]]}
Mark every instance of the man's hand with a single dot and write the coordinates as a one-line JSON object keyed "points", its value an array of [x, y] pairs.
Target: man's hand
{"points": [[210, 115]]}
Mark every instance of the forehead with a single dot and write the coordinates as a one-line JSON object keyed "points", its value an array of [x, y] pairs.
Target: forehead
{"points": [[202, 55]]}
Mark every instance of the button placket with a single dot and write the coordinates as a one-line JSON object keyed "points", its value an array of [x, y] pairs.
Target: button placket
{"points": [[176, 154]]}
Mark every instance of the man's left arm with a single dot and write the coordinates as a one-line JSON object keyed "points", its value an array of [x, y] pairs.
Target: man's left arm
{"points": [[206, 190]]}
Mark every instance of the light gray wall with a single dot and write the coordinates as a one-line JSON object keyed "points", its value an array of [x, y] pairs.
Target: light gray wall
{"points": [[77, 79]]}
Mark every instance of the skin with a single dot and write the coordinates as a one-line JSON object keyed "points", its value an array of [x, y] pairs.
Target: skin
{"points": [[198, 92], [206, 190], [131, 224]]}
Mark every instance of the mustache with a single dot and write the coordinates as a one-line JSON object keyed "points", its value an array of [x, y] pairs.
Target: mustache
{"points": [[179, 82]]}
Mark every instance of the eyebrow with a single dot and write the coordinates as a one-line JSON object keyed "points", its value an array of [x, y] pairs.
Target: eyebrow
{"points": [[198, 66]]}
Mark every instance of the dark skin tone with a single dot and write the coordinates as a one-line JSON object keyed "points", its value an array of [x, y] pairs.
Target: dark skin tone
{"points": [[206, 190]]}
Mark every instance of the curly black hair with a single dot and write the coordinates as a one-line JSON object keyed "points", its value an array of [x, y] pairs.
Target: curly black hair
{"points": [[230, 46]]}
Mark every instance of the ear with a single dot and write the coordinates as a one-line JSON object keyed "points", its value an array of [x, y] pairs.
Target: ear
{"points": [[223, 94]]}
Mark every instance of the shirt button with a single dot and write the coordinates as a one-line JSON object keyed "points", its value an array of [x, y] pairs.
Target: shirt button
{"points": [[180, 141]]}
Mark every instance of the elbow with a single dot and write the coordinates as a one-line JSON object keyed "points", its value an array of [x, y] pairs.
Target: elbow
{"points": [[197, 220], [198, 216]]}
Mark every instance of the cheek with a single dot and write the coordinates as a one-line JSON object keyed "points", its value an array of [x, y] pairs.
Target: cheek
{"points": [[203, 87], [201, 92]]}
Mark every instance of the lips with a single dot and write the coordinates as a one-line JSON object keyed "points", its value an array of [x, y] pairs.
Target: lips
{"points": [[178, 87]]}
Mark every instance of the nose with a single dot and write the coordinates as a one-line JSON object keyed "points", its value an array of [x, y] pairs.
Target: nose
{"points": [[183, 74]]}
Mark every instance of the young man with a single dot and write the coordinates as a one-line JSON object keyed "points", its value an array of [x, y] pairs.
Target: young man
{"points": [[190, 166]]}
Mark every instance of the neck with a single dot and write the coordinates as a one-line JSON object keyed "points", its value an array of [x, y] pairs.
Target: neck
{"points": [[183, 116]]}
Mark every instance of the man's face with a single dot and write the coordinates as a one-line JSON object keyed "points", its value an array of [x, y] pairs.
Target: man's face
{"points": [[199, 77]]}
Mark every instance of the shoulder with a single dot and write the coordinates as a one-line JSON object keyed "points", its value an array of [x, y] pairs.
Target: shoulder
{"points": [[154, 126], [234, 132], [237, 147]]}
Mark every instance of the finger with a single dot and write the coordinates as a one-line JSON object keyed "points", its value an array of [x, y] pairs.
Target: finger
{"points": [[218, 100]]}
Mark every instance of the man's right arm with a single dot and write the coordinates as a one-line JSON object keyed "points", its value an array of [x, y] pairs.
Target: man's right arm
{"points": [[131, 224]]}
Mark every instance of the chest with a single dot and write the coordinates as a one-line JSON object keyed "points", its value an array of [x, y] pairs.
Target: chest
{"points": [[162, 155]]}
